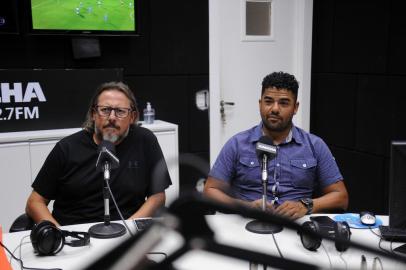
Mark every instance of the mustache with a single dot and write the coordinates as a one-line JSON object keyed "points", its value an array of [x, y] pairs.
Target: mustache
{"points": [[274, 116], [111, 125]]}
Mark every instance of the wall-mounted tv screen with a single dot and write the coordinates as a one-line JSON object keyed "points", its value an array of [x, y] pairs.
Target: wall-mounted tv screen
{"points": [[8, 17], [105, 17]]}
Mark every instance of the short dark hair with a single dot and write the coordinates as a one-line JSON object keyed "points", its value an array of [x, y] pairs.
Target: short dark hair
{"points": [[118, 86], [280, 80]]}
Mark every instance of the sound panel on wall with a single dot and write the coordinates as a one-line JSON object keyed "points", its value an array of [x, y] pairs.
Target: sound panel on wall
{"points": [[365, 178], [373, 116], [364, 73], [397, 39], [179, 39], [322, 42], [333, 108], [360, 36]]}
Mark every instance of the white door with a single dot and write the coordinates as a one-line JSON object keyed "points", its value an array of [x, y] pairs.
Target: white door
{"points": [[238, 62]]}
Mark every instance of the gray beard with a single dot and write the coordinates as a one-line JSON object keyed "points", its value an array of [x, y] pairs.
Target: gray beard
{"points": [[110, 137]]}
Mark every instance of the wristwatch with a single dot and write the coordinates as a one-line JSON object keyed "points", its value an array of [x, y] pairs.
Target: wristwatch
{"points": [[308, 203]]}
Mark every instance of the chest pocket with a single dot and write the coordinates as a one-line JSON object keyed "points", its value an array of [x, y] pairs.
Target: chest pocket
{"points": [[248, 170], [303, 172]]}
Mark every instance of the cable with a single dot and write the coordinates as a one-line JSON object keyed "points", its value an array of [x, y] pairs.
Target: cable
{"points": [[277, 246], [21, 261], [19, 247], [380, 240], [118, 209], [341, 256], [21, 244], [370, 228], [328, 256], [379, 245]]}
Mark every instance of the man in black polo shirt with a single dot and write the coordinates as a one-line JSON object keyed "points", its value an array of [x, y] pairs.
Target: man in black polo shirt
{"points": [[69, 175]]}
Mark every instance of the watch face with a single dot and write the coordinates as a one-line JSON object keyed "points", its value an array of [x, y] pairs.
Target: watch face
{"points": [[308, 203], [305, 201]]}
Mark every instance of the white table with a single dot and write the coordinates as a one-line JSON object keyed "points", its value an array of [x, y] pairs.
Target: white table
{"points": [[229, 230]]}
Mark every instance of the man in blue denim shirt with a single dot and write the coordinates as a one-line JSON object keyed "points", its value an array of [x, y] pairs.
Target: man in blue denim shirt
{"points": [[303, 162]]}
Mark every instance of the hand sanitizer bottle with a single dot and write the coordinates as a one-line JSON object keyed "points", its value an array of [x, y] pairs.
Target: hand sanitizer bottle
{"points": [[149, 114]]}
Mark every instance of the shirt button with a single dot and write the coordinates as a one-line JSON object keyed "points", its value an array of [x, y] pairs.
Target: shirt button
{"points": [[252, 162], [277, 164], [304, 165]]}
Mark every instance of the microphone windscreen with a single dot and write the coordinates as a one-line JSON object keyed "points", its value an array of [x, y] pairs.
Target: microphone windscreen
{"points": [[107, 145], [265, 147], [107, 153]]}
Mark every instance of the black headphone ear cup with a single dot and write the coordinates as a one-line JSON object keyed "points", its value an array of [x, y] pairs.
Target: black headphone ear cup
{"points": [[34, 232], [342, 231], [310, 242], [46, 238]]}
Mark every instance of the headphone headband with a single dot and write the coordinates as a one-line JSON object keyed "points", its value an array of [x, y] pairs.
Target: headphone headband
{"points": [[83, 238]]}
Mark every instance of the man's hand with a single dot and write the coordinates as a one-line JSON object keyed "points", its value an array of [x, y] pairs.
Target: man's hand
{"points": [[258, 205], [291, 209]]}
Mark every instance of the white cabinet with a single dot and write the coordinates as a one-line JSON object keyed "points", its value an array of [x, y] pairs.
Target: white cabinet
{"points": [[167, 135], [15, 176], [23, 153]]}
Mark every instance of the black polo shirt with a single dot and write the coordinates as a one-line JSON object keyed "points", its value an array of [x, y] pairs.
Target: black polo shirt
{"points": [[69, 176]]}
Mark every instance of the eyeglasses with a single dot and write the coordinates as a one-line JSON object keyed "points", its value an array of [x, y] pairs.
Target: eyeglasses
{"points": [[105, 111]]}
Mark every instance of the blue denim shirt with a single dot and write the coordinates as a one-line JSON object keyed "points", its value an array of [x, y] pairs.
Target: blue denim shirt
{"points": [[303, 162]]}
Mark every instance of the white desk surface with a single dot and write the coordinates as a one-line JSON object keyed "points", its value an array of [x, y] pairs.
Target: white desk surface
{"points": [[39, 135], [229, 230]]}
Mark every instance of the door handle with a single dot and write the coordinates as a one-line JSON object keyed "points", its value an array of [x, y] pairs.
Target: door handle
{"points": [[222, 112]]}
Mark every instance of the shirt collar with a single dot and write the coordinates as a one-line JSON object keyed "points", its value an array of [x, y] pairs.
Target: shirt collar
{"points": [[293, 134], [256, 133], [296, 135]]}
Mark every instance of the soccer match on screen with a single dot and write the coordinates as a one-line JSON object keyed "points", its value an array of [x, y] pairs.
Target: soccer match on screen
{"points": [[103, 15]]}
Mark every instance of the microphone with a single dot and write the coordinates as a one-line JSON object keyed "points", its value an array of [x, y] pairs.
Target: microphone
{"points": [[106, 162], [265, 146], [266, 151]]}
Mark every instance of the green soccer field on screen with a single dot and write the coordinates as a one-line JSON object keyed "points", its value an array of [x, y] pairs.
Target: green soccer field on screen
{"points": [[99, 15]]}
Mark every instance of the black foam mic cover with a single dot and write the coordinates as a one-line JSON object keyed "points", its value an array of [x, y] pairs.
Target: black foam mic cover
{"points": [[107, 151], [265, 146], [107, 145]]}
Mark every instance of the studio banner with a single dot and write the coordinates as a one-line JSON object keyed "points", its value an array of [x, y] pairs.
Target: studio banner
{"points": [[48, 99]]}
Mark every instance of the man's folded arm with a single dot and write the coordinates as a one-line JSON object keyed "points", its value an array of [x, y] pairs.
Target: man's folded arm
{"points": [[37, 208], [335, 197]]}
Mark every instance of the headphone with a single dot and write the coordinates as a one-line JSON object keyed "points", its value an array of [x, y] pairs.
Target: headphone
{"points": [[341, 231], [47, 239]]}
